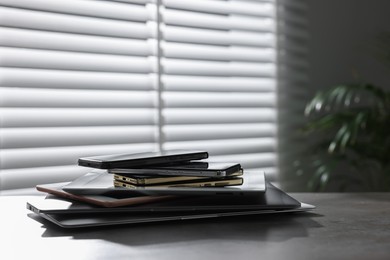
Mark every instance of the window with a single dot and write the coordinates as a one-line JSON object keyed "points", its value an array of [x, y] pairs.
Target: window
{"points": [[88, 77]]}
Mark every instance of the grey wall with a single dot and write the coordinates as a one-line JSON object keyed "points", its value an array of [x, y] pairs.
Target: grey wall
{"points": [[342, 36]]}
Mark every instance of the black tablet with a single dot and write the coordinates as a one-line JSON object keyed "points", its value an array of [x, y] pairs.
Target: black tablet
{"points": [[94, 220]]}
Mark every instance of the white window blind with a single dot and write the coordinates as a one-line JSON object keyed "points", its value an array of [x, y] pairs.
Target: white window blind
{"points": [[219, 68], [88, 77]]}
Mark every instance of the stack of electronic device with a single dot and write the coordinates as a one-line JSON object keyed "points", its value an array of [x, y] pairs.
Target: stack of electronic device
{"points": [[158, 186], [194, 173]]}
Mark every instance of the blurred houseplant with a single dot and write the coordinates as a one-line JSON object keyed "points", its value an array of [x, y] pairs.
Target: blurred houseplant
{"points": [[351, 128]]}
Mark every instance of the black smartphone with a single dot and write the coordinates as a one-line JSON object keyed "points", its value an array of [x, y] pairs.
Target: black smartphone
{"points": [[141, 159], [199, 169]]}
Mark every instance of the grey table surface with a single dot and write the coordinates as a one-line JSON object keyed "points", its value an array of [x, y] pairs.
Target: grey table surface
{"points": [[344, 226]]}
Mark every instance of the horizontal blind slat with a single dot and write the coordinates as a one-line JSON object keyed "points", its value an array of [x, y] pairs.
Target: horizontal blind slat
{"points": [[133, 1], [25, 97], [22, 38], [41, 78], [75, 24], [211, 21], [218, 116], [228, 146], [104, 9], [208, 36], [53, 156], [224, 7], [174, 133], [207, 52], [29, 58], [218, 84], [55, 117], [213, 68], [12, 138], [203, 100]]}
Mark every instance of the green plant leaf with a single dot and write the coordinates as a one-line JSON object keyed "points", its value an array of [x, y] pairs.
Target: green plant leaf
{"points": [[340, 94], [349, 98], [358, 123], [337, 141], [321, 175], [315, 103]]}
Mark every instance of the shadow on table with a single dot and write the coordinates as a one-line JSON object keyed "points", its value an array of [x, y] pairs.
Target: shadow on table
{"points": [[274, 228]]}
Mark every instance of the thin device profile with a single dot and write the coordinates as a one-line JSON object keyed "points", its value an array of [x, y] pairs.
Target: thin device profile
{"points": [[95, 183], [194, 184], [145, 180], [141, 159], [196, 169]]}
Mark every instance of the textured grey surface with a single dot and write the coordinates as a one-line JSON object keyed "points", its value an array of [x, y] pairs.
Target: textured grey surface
{"points": [[344, 226]]}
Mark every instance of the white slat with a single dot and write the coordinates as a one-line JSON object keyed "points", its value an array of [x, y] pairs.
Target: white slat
{"points": [[22, 38], [219, 37], [12, 138], [56, 117], [38, 20], [213, 68], [103, 9], [211, 21], [174, 133], [56, 79], [228, 146], [133, 1], [208, 99], [222, 53], [50, 98], [218, 84], [29, 58], [218, 115], [224, 7]]}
